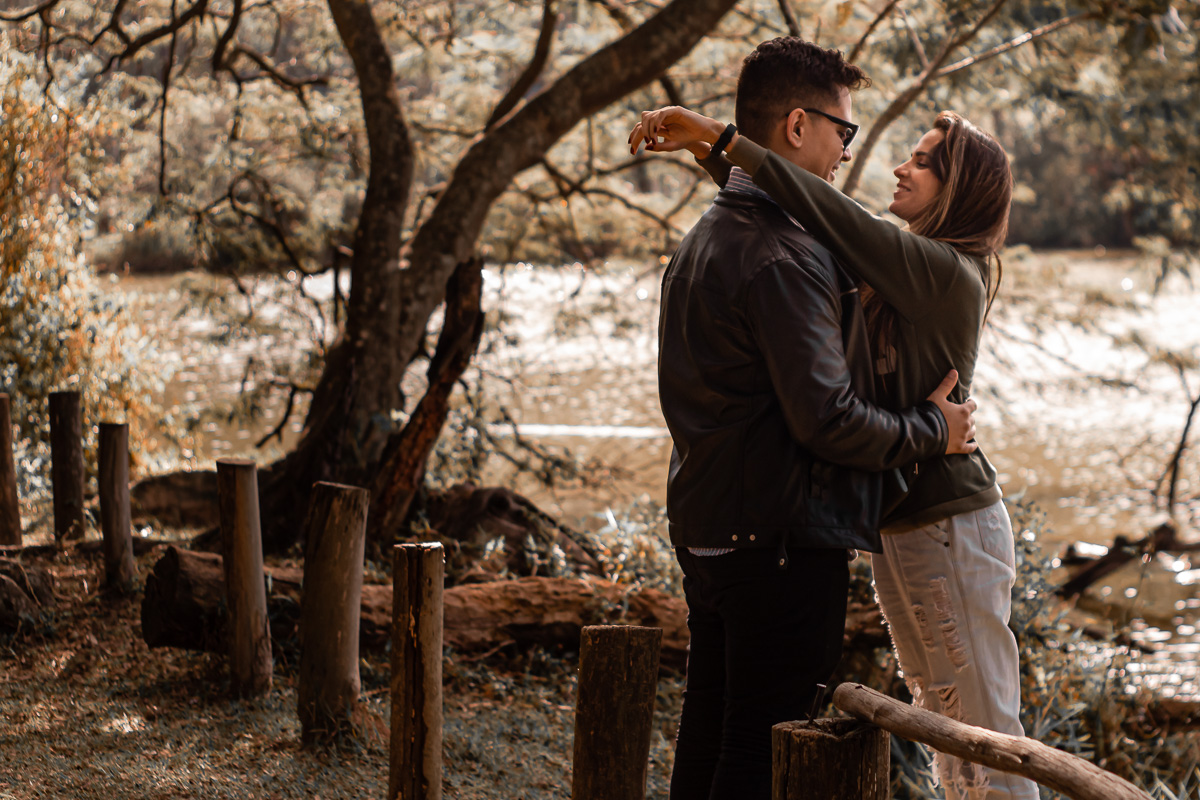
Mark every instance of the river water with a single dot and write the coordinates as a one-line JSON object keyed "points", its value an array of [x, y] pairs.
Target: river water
{"points": [[1080, 407]]}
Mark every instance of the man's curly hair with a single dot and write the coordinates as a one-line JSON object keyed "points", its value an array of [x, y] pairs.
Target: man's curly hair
{"points": [[787, 73]]}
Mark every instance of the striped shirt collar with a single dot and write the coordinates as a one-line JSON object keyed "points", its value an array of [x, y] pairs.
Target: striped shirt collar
{"points": [[740, 182]]}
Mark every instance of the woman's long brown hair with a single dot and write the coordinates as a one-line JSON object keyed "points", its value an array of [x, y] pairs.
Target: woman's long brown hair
{"points": [[970, 213]]}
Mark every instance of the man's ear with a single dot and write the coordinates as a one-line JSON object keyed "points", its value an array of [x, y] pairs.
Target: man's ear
{"points": [[794, 127]]}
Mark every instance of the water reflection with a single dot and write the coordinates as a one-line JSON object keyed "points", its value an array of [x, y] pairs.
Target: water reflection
{"points": [[1071, 420]]}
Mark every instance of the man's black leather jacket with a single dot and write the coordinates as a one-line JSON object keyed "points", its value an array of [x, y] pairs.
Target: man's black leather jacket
{"points": [[765, 381]]}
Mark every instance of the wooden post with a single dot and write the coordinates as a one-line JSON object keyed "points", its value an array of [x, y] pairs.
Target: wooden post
{"points": [[830, 759], [416, 748], [241, 539], [618, 681], [1062, 772], [115, 525], [10, 509], [329, 612], [66, 464]]}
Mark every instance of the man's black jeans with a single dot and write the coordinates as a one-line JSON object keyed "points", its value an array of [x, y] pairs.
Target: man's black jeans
{"points": [[762, 638]]}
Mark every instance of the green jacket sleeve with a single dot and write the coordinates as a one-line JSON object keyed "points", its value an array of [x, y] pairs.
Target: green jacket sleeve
{"points": [[911, 273], [718, 168]]}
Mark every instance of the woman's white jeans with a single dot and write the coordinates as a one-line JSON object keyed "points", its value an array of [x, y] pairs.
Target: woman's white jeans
{"points": [[945, 591]]}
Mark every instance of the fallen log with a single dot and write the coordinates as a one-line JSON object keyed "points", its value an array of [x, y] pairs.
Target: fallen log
{"points": [[1063, 772], [184, 607], [36, 582], [1163, 539], [17, 609]]}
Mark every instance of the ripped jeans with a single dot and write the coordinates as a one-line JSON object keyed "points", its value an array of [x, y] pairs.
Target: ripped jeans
{"points": [[945, 590]]}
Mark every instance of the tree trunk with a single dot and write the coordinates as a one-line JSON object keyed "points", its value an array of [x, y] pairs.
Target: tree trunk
{"points": [[392, 300], [403, 470], [66, 464], [329, 613], [830, 759], [10, 507], [346, 429]]}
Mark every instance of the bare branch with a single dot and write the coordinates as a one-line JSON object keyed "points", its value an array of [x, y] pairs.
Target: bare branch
{"points": [[906, 98], [541, 54], [162, 116], [227, 36], [1016, 42], [150, 37], [1187, 427], [30, 13], [789, 18], [862, 41], [916, 40]]}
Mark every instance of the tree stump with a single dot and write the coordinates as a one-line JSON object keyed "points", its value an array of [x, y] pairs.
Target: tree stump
{"points": [[115, 524], [416, 747], [10, 509], [618, 681], [329, 612], [250, 662], [66, 464], [830, 759]]}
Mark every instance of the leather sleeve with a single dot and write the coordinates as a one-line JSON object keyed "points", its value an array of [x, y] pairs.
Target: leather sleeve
{"points": [[793, 309]]}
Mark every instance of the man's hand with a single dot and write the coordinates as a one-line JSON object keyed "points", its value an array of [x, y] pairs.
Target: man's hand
{"points": [[675, 128], [959, 418]]}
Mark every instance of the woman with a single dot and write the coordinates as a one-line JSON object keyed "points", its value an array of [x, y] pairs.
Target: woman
{"points": [[945, 577]]}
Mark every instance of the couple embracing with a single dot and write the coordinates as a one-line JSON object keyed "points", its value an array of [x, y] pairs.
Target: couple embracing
{"points": [[815, 363]]}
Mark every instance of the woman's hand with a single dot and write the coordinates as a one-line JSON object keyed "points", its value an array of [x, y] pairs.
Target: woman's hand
{"points": [[675, 128], [960, 419]]}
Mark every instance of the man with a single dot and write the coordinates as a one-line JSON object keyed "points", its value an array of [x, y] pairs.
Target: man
{"points": [[765, 382]]}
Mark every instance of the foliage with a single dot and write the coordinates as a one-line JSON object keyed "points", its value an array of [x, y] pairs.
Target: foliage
{"points": [[60, 331]]}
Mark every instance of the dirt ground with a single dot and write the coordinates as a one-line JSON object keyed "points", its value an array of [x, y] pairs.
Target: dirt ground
{"points": [[87, 710]]}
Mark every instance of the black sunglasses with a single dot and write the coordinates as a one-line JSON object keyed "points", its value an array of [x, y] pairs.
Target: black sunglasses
{"points": [[847, 135]]}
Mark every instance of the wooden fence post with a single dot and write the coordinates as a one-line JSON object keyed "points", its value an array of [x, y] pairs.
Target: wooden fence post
{"points": [[416, 746], [329, 612], [1062, 772], [830, 759], [241, 539], [10, 508], [618, 681], [66, 464], [115, 525]]}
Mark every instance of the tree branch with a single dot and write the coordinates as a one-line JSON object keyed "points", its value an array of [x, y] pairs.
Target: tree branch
{"points": [[162, 118], [149, 37], [30, 13], [916, 40], [1014, 43], [906, 98], [862, 41], [789, 18], [218, 58], [541, 54], [488, 167]]}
